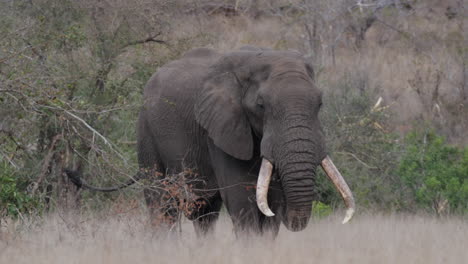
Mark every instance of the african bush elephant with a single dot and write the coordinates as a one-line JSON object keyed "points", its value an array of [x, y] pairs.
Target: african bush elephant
{"points": [[238, 119]]}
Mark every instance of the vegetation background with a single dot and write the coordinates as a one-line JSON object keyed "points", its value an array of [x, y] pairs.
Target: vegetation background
{"points": [[394, 75]]}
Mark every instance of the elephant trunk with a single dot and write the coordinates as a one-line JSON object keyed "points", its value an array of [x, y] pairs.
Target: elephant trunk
{"points": [[296, 162], [298, 182]]}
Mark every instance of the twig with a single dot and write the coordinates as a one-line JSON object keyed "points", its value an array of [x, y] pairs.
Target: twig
{"points": [[356, 158], [4, 59], [95, 132], [9, 160], [146, 40], [46, 164]]}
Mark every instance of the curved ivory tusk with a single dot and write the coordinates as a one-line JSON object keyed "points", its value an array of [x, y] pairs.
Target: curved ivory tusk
{"points": [[340, 184], [263, 182]]}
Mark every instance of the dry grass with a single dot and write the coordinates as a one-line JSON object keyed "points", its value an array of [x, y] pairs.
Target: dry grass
{"points": [[368, 239]]}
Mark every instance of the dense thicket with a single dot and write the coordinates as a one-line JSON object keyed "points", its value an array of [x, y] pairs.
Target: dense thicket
{"points": [[393, 73]]}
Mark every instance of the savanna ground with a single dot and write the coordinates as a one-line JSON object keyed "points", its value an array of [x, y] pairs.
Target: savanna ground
{"points": [[126, 239], [394, 78]]}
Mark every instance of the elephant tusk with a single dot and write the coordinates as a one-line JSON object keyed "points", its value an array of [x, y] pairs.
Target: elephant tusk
{"points": [[335, 176], [263, 182]]}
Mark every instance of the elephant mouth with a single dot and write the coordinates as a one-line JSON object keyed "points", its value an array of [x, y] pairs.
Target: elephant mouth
{"points": [[296, 219]]}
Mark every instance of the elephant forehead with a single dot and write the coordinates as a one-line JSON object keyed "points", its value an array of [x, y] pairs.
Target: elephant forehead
{"points": [[284, 66], [291, 91], [291, 75], [292, 84]]}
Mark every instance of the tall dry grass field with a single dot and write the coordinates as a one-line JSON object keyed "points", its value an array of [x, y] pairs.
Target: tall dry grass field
{"points": [[367, 239]]}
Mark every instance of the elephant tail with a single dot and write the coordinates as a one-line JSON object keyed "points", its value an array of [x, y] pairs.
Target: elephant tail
{"points": [[80, 183]]}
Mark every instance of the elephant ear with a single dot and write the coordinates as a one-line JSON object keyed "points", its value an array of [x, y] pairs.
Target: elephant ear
{"points": [[219, 111]]}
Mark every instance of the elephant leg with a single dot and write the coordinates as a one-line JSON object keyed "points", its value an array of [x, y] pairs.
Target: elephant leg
{"points": [[159, 202], [162, 208], [206, 217], [237, 184]]}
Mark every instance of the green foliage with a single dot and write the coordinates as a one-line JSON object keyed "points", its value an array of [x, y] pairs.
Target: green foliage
{"points": [[72, 37], [320, 210], [435, 173], [14, 199]]}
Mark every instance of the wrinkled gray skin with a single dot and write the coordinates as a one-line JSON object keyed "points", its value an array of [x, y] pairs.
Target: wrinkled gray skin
{"points": [[220, 114]]}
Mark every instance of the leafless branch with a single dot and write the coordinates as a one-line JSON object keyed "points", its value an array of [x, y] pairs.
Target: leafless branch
{"points": [[5, 156], [95, 132], [146, 40], [46, 163], [356, 158]]}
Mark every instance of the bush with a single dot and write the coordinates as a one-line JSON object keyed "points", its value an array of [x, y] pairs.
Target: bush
{"points": [[320, 210], [435, 173], [362, 147], [14, 199], [420, 172]]}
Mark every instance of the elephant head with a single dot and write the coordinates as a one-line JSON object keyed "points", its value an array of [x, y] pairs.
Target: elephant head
{"points": [[270, 97]]}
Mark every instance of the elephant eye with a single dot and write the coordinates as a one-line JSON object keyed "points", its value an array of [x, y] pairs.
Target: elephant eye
{"points": [[260, 102]]}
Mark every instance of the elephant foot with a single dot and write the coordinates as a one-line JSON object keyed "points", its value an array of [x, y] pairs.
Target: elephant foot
{"points": [[205, 217]]}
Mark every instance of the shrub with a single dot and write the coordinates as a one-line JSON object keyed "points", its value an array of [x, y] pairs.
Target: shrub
{"points": [[363, 149], [421, 172], [435, 173], [14, 199], [320, 210]]}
